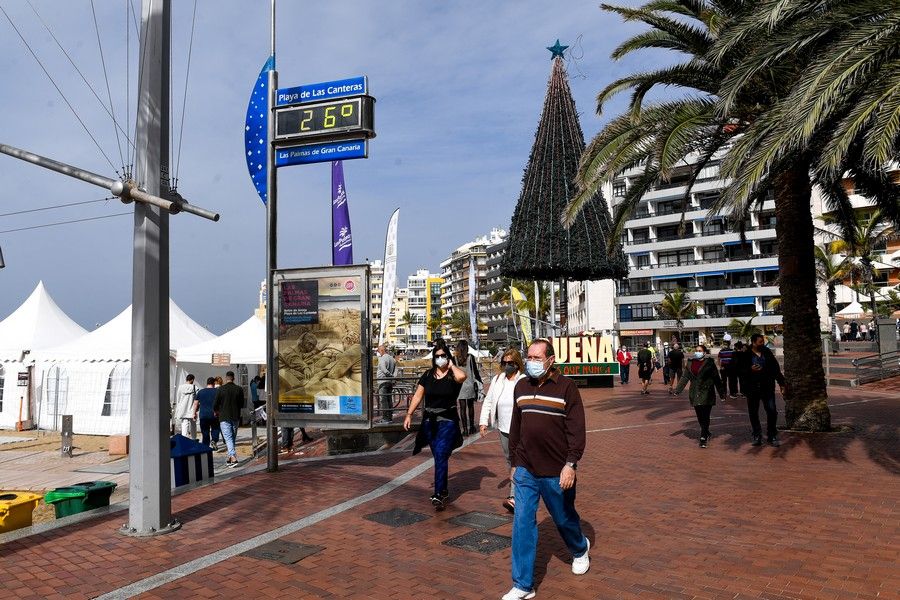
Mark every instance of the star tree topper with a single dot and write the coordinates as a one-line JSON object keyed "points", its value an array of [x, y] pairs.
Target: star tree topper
{"points": [[556, 50]]}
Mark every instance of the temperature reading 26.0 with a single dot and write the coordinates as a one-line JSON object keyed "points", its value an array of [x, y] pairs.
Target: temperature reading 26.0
{"points": [[317, 120]]}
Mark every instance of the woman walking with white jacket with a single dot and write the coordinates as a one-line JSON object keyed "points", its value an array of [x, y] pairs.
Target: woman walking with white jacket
{"points": [[498, 407]]}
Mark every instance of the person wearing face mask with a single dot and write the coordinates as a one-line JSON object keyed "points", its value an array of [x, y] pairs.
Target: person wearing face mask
{"points": [[470, 389], [705, 382], [386, 370], [498, 407], [760, 379], [546, 441], [438, 390]]}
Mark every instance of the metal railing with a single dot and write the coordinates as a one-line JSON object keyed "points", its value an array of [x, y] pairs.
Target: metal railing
{"points": [[877, 367]]}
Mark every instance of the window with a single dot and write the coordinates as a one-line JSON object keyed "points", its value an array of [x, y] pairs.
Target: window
{"points": [[738, 252], [713, 227], [676, 258], [880, 278], [640, 286], [670, 285], [636, 312], [642, 261], [668, 207], [768, 247], [57, 393], [715, 308], [714, 253], [743, 279], [619, 188], [640, 236], [716, 282], [767, 220], [767, 277], [667, 232], [641, 211], [710, 171], [707, 200]]}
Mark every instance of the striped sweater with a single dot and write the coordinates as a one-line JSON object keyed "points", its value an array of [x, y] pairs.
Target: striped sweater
{"points": [[547, 427]]}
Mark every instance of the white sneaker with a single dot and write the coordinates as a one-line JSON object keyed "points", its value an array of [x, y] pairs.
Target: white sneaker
{"points": [[517, 594], [581, 564]]}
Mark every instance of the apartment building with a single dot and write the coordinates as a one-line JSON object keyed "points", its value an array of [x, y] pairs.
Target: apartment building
{"points": [[728, 278], [455, 287], [397, 330], [433, 306], [423, 290], [501, 330], [376, 284]]}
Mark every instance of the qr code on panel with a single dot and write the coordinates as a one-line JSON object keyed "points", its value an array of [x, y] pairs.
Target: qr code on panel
{"points": [[329, 405]]}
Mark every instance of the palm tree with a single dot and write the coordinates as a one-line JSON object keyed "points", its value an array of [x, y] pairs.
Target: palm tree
{"points": [[406, 321], [677, 306], [860, 246], [656, 137], [831, 270], [742, 329], [460, 323], [435, 323], [842, 110]]}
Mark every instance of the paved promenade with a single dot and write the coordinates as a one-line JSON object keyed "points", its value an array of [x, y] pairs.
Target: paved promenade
{"points": [[816, 518]]}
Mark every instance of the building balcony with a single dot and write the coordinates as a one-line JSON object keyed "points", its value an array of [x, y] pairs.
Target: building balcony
{"points": [[688, 267], [701, 322]]}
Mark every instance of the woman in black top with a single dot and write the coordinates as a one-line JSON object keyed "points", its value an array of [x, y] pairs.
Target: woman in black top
{"points": [[438, 387]]}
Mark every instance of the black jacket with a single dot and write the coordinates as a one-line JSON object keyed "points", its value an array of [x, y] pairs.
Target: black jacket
{"points": [[763, 382], [229, 402]]}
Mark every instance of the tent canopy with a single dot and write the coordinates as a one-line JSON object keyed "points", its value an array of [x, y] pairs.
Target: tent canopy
{"points": [[37, 324], [112, 341], [854, 309], [246, 344]]}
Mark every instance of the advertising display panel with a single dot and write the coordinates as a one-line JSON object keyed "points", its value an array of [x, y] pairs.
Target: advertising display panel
{"points": [[589, 360], [322, 346]]}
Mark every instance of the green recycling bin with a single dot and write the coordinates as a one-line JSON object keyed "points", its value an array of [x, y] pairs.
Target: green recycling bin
{"points": [[80, 497]]}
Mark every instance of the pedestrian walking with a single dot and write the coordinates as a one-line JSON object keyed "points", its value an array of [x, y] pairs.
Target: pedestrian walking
{"points": [[665, 363], [846, 337], [676, 366], [470, 388], [437, 391], [863, 332], [623, 357], [546, 441], [498, 407], [741, 364], [254, 392], [645, 367], [385, 373], [854, 331], [228, 404], [186, 407], [726, 370], [209, 423], [705, 381], [764, 371]]}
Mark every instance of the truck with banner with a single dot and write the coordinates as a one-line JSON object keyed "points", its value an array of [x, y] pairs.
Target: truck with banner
{"points": [[322, 347]]}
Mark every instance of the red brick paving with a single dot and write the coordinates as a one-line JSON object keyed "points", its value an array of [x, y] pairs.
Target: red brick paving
{"points": [[816, 518]]}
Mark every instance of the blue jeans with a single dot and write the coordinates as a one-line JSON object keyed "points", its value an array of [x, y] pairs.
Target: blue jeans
{"points": [[441, 443], [208, 425], [229, 432], [561, 506], [624, 372]]}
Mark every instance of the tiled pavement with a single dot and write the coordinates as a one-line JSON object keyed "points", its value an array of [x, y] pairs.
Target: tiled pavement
{"points": [[816, 518]]}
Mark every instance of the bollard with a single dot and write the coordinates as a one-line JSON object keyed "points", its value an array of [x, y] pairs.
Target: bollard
{"points": [[66, 449]]}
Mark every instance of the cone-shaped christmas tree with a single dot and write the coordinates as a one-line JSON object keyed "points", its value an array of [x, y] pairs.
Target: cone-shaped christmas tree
{"points": [[540, 248]]}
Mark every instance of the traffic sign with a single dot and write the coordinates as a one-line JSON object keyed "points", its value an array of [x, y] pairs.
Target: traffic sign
{"points": [[322, 152], [327, 90]]}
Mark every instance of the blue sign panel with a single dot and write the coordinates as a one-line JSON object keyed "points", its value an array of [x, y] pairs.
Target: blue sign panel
{"points": [[313, 153], [315, 92]]}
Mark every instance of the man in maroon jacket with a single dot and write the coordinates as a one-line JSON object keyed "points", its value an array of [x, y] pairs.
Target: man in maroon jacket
{"points": [[546, 441]]}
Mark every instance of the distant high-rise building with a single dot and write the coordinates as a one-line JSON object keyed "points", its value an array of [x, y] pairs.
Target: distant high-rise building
{"points": [[376, 283], [455, 288]]}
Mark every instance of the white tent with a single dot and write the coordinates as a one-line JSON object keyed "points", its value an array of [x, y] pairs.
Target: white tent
{"points": [[90, 378], [37, 324], [854, 310], [246, 344]]}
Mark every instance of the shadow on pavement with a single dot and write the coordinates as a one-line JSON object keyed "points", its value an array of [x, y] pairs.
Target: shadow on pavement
{"points": [[550, 544], [469, 480], [880, 439]]}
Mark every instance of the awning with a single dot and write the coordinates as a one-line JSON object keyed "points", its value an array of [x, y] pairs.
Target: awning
{"points": [[775, 268], [712, 274], [683, 276], [639, 253], [740, 271], [740, 301], [737, 243]]}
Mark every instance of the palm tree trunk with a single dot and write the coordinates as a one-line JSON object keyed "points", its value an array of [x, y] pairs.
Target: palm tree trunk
{"points": [[806, 406]]}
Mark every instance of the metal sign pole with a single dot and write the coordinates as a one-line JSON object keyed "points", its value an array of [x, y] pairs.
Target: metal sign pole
{"points": [[150, 497], [271, 265]]}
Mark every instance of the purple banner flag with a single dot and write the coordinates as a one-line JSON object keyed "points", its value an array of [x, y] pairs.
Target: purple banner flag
{"points": [[342, 240]]}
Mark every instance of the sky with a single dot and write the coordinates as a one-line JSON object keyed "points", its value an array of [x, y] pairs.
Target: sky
{"points": [[459, 88]]}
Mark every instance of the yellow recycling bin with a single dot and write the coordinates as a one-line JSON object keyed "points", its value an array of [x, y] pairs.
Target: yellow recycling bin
{"points": [[16, 509]]}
